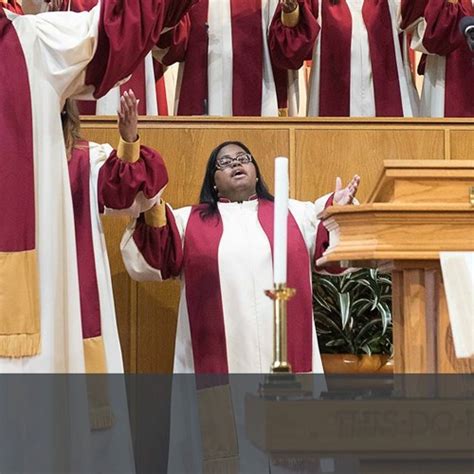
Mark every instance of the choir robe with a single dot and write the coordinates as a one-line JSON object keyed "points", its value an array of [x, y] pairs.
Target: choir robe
{"points": [[448, 73], [53, 56], [225, 61], [358, 66], [143, 82], [225, 321], [105, 181]]}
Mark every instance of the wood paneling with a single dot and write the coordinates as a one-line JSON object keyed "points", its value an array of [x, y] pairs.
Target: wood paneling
{"points": [[319, 150], [462, 144], [323, 154]]}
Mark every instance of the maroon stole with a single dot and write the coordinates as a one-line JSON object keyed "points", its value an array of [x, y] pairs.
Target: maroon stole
{"points": [[79, 175], [335, 79], [19, 296], [247, 40], [203, 295], [193, 92]]}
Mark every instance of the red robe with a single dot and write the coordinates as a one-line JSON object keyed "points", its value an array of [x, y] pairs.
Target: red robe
{"points": [[226, 66], [358, 66], [449, 71]]}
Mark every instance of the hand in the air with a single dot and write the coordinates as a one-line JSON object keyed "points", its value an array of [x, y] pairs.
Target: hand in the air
{"points": [[128, 116], [288, 5], [343, 196]]}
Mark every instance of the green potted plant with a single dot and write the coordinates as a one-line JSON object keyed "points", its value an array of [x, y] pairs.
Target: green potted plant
{"points": [[353, 321]]}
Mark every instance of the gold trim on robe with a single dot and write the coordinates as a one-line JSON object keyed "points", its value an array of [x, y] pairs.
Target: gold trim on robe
{"points": [[156, 216], [129, 151], [101, 416], [19, 304]]}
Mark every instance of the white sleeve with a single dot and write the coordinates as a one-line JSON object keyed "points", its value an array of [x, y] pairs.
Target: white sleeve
{"points": [[59, 46]]}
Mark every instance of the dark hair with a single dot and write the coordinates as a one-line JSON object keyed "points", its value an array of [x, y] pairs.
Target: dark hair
{"points": [[208, 196]]}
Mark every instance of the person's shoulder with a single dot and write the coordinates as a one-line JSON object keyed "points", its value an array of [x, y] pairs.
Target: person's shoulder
{"points": [[104, 148]]}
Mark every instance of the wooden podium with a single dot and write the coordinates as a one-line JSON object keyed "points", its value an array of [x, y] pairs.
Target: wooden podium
{"points": [[417, 209]]}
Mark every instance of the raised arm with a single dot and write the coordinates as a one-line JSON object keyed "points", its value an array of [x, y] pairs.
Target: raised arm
{"points": [[89, 53], [130, 179], [128, 29], [293, 32], [173, 44]]}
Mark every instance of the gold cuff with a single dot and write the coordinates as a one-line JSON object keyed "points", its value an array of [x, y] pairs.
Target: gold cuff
{"points": [[454, 2], [156, 216], [291, 19], [129, 151]]}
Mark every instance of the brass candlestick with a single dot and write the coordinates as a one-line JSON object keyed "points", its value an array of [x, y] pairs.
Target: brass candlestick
{"points": [[280, 295]]}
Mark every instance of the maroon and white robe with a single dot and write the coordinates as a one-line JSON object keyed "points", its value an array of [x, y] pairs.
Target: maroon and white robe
{"points": [[53, 56], [226, 67], [225, 322], [449, 71], [103, 183], [358, 66]]}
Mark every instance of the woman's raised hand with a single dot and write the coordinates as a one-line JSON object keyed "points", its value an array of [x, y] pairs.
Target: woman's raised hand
{"points": [[128, 116], [343, 196]]}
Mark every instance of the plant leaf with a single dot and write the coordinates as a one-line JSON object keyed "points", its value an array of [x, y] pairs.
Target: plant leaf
{"points": [[345, 307]]}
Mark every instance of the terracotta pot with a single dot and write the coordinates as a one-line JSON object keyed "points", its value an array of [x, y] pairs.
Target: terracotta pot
{"points": [[357, 364]]}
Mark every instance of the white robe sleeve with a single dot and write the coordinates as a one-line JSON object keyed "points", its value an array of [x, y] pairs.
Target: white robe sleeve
{"points": [[155, 258], [61, 44]]}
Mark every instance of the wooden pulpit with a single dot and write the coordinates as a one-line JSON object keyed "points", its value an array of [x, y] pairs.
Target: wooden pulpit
{"points": [[416, 210]]}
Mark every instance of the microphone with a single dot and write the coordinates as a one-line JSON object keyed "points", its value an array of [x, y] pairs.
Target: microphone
{"points": [[466, 26]]}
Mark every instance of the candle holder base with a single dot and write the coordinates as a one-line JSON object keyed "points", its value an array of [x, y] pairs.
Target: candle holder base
{"points": [[279, 367]]}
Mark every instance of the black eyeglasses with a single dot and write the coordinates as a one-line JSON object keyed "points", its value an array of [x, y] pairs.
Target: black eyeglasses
{"points": [[227, 161]]}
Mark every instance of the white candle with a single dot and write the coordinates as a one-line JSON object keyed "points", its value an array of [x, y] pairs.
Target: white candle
{"points": [[280, 223]]}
